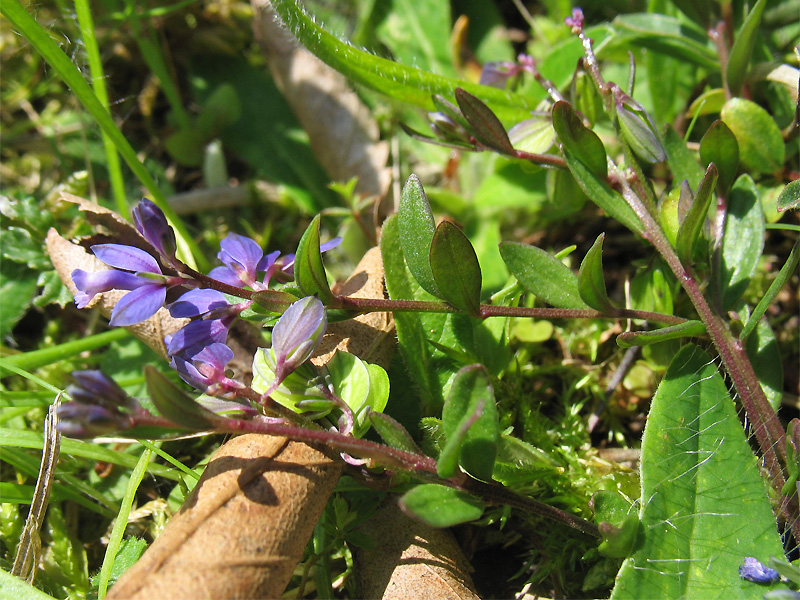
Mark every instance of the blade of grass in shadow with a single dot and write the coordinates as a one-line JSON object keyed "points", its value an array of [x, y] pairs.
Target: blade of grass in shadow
{"points": [[400, 82], [73, 78]]}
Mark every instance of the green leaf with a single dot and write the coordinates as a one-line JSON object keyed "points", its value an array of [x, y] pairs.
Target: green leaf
{"points": [[682, 162], [591, 283], [719, 146], [673, 332], [17, 288], [708, 103], [488, 128], [471, 425], [402, 83], [543, 275], [761, 147], [309, 272], [789, 198], [742, 49], [581, 142], [692, 224], [704, 506], [765, 355], [393, 433], [620, 541], [174, 404], [14, 587], [360, 385], [742, 241], [440, 506], [417, 229], [455, 268]]}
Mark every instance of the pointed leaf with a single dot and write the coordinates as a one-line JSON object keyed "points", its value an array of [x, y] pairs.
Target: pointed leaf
{"points": [[543, 275], [761, 147], [581, 142], [704, 506], [471, 422], [174, 404], [455, 268], [742, 49], [417, 227], [692, 225], [719, 146], [488, 128], [742, 240], [673, 332], [440, 506], [789, 198], [591, 284], [309, 272]]}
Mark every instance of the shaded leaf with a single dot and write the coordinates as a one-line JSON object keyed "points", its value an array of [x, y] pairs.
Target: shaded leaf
{"points": [[440, 506], [174, 404], [487, 127], [471, 424], [309, 272], [719, 146], [591, 283], [581, 142], [765, 355], [761, 147], [692, 224], [417, 228], [393, 433], [742, 241], [790, 196], [645, 338], [704, 505], [682, 162], [742, 49], [455, 268], [543, 275]]}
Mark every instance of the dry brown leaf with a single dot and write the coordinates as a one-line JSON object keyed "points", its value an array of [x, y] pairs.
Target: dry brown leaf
{"points": [[411, 561], [243, 529], [342, 132]]}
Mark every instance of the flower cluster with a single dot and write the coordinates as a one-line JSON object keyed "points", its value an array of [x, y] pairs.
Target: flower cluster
{"points": [[198, 351]]}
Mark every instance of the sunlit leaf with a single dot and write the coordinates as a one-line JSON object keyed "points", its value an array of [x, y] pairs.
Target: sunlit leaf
{"points": [[455, 268], [761, 147], [581, 142], [417, 227], [440, 506], [393, 433], [309, 272], [692, 225], [790, 196]]}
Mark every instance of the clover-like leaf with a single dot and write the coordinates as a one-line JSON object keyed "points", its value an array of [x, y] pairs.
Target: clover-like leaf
{"points": [[455, 268]]}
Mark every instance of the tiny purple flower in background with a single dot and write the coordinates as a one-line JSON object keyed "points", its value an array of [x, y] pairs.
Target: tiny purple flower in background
{"points": [[575, 21], [205, 369], [152, 224], [498, 73], [148, 287], [297, 334], [757, 572]]}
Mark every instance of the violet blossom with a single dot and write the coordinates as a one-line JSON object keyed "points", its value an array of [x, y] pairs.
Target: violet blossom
{"points": [[204, 368], [297, 334], [151, 223]]}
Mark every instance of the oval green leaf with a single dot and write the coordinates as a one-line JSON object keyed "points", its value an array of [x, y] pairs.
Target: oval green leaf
{"points": [[455, 268], [719, 146], [487, 127], [416, 224], [440, 506], [761, 147], [591, 283], [543, 275], [581, 142]]}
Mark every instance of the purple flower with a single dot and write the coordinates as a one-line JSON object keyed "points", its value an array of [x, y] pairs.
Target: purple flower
{"points": [[575, 21], [95, 387], [241, 256], [297, 334], [139, 272], [89, 420], [199, 302], [498, 73], [205, 369], [199, 333], [755, 571], [152, 224]]}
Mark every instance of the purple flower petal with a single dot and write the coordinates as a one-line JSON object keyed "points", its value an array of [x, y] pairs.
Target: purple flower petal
{"points": [[138, 305], [198, 302], [297, 334], [757, 572], [225, 275], [205, 367], [269, 259], [202, 332], [241, 255], [95, 387], [127, 258], [152, 224], [91, 284]]}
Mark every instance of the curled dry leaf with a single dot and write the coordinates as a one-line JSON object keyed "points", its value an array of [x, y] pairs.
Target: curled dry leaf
{"points": [[67, 257], [341, 129], [243, 529], [411, 560]]}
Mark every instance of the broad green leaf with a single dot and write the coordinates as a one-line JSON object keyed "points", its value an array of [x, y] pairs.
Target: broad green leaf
{"points": [[591, 282], [790, 196], [682, 162], [174, 404], [692, 225], [704, 506], [455, 268], [761, 147], [488, 128], [309, 272], [668, 35], [393, 433], [417, 229], [742, 241], [360, 385], [765, 356], [580, 141], [673, 332], [471, 423], [719, 146], [543, 275], [400, 82], [742, 49], [440, 506]]}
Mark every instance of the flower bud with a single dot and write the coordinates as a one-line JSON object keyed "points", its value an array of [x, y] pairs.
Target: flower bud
{"points": [[97, 388], [153, 225], [89, 420], [638, 128], [297, 334]]}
